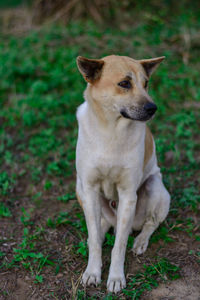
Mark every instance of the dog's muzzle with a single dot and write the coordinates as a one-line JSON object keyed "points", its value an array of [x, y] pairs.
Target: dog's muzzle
{"points": [[142, 113], [150, 108]]}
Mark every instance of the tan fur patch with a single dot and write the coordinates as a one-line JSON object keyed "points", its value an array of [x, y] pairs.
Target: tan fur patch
{"points": [[115, 70], [79, 199], [116, 67], [148, 146], [99, 111]]}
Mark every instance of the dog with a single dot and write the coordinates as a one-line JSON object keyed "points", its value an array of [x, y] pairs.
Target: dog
{"points": [[119, 183]]}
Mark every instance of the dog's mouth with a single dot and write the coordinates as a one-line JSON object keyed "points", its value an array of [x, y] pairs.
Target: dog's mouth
{"points": [[144, 113]]}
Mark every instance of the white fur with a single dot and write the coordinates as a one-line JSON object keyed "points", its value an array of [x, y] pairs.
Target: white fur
{"points": [[109, 162]]}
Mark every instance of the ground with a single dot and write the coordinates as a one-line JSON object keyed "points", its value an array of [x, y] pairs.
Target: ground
{"points": [[43, 235]]}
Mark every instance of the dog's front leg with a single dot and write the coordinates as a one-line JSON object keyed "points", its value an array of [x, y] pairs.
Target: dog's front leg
{"points": [[125, 214], [92, 211]]}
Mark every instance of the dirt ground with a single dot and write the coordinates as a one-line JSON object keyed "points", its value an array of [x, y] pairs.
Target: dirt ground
{"points": [[19, 284]]}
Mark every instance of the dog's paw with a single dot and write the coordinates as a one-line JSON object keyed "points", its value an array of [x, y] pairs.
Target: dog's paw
{"points": [[140, 245], [91, 278], [115, 284]]}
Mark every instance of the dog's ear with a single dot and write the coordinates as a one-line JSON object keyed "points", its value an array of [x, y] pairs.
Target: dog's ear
{"points": [[151, 64], [90, 68]]}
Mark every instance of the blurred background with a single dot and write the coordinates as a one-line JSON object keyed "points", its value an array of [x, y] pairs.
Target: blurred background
{"points": [[43, 233]]}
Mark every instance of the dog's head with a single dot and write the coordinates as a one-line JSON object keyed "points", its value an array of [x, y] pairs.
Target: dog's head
{"points": [[120, 84]]}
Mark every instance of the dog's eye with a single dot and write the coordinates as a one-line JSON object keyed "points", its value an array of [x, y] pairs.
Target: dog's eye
{"points": [[125, 84], [146, 84]]}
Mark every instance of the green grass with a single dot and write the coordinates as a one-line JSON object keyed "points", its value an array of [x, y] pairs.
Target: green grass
{"points": [[4, 210], [6, 181], [28, 257], [62, 218], [161, 271], [40, 90]]}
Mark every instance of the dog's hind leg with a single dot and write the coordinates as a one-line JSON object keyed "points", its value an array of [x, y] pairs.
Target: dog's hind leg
{"points": [[108, 217], [157, 207]]}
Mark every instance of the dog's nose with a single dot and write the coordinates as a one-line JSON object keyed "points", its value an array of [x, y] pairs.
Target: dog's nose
{"points": [[150, 108]]}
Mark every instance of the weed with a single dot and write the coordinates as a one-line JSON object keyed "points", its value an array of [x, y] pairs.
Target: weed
{"points": [[110, 240], [67, 197], [197, 237], [80, 223], [26, 217], [6, 183], [188, 225], [80, 295], [163, 270], [82, 248], [4, 210], [189, 197], [48, 185], [38, 278], [161, 234], [2, 254], [62, 218], [27, 255]]}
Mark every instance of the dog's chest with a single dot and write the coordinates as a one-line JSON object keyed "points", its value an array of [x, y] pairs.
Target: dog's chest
{"points": [[108, 182]]}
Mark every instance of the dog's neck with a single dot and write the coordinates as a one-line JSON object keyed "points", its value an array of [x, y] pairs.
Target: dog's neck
{"points": [[108, 121]]}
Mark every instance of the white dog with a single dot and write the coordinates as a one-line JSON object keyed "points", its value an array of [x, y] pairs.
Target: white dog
{"points": [[119, 183]]}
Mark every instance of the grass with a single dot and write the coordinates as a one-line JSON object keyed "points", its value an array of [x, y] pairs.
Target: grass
{"points": [[40, 90], [28, 257], [4, 210], [161, 271], [6, 181]]}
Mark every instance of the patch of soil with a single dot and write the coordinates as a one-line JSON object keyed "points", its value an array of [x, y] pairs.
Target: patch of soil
{"points": [[18, 283], [186, 288]]}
